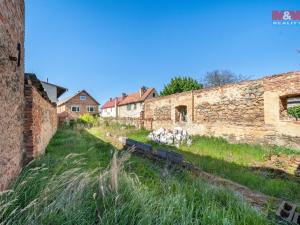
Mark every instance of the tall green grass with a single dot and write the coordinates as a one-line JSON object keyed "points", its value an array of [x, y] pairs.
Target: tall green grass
{"points": [[68, 186], [236, 162]]}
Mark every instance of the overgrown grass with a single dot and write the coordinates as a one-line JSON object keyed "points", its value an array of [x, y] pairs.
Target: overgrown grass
{"points": [[80, 181], [231, 161]]}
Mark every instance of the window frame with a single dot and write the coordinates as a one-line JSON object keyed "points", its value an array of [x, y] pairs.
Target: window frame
{"points": [[129, 107], [82, 97], [91, 106], [75, 106]]}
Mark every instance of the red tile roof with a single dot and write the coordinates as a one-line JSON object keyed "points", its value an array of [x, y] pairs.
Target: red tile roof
{"points": [[132, 98], [111, 103], [135, 97]]}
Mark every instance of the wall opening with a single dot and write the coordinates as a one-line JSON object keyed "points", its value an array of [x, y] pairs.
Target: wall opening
{"points": [[181, 113], [285, 103]]}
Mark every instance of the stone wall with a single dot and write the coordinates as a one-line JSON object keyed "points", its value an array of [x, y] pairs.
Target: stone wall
{"points": [[251, 112], [240, 104], [40, 120], [11, 85]]}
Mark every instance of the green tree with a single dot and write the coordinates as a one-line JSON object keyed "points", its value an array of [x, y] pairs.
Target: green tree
{"points": [[294, 111], [180, 84]]}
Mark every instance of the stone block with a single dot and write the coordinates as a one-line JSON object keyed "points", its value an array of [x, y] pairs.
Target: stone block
{"points": [[145, 148], [296, 219], [174, 157], [161, 153], [286, 211]]}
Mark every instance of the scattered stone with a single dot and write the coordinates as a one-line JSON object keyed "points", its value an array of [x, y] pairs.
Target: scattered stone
{"points": [[108, 134], [176, 137], [122, 140]]}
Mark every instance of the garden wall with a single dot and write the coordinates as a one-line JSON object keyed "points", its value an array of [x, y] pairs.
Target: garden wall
{"points": [[251, 112], [40, 118], [136, 122], [11, 85]]}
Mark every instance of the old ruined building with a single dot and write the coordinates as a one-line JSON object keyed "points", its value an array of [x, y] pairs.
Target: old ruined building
{"points": [[248, 112], [75, 106]]}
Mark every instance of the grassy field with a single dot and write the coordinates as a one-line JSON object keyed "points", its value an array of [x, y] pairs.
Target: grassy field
{"points": [[231, 161], [82, 179]]}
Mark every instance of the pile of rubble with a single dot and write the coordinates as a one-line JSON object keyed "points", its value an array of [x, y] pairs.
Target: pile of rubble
{"points": [[177, 136]]}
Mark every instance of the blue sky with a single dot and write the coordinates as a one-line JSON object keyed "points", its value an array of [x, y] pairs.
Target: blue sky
{"points": [[108, 47]]}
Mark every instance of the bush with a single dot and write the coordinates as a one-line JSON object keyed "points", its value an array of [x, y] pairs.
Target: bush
{"points": [[294, 111], [87, 119]]}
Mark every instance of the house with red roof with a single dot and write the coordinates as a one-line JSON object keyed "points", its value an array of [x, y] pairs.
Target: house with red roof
{"points": [[110, 108], [128, 105]]}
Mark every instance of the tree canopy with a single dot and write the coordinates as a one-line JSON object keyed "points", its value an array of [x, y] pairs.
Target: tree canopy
{"points": [[180, 84]]}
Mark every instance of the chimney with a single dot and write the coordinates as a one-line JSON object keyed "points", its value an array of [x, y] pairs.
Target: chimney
{"points": [[142, 91], [124, 95], [110, 99]]}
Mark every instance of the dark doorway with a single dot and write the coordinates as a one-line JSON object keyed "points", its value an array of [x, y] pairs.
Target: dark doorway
{"points": [[181, 113]]}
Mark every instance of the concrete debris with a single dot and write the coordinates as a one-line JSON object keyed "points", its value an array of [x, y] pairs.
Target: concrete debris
{"points": [[176, 137]]}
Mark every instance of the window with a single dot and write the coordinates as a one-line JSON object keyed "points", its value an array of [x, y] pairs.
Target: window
{"points": [[285, 103], [90, 108], [129, 107], [153, 95], [134, 106], [75, 108], [82, 97]]}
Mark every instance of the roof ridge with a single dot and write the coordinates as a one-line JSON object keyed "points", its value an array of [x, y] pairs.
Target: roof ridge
{"points": [[72, 96]]}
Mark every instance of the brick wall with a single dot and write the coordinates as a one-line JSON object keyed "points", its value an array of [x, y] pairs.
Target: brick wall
{"points": [[252, 111], [11, 85], [40, 121]]}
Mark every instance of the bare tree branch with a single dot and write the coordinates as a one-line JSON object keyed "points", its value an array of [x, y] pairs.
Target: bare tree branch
{"points": [[221, 77]]}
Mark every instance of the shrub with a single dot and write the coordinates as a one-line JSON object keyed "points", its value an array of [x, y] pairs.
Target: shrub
{"points": [[87, 119], [294, 111]]}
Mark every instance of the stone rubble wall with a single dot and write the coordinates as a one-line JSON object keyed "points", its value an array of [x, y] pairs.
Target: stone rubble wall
{"points": [[129, 121], [11, 85], [247, 112]]}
